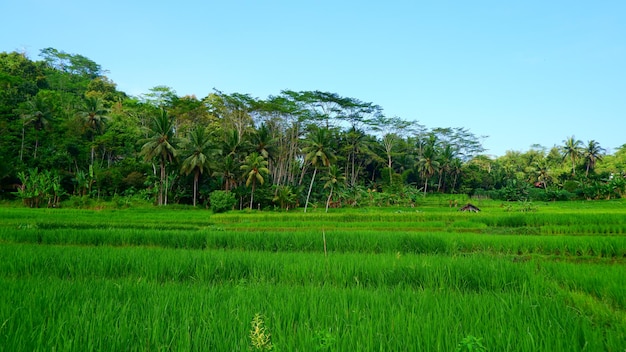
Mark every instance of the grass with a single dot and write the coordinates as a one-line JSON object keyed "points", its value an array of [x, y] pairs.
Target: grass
{"points": [[429, 278]]}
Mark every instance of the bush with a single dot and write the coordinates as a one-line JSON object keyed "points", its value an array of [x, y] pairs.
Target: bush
{"points": [[222, 201]]}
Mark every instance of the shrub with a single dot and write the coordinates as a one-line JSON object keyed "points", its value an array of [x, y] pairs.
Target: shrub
{"points": [[222, 201]]}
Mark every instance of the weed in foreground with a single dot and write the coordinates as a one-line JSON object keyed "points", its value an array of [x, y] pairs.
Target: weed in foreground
{"points": [[470, 343], [260, 338]]}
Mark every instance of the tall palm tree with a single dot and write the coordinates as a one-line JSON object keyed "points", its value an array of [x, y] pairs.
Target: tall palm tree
{"points": [[255, 166], [542, 172], [38, 114], [572, 150], [227, 170], [455, 168], [448, 153], [592, 154], [333, 179], [264, 143], [232, 144], [162, 145], [95, 117], [427, 165], [356, 144], [317, 152], [197, 150]]}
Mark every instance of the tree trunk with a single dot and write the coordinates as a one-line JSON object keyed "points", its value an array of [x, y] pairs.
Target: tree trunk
{"points": [[310, 188], [22, 148], [162, 185], [329, 197], [252, 195], [195, 186]]}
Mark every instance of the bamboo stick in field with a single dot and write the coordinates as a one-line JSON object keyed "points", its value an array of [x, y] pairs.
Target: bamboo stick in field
{"points": [[324, 238]]}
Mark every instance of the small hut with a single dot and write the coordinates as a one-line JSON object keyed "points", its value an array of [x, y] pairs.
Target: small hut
{"points": [[470, 207]]}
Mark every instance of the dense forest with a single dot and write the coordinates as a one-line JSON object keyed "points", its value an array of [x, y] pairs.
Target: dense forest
{"points": [[68, 136]]}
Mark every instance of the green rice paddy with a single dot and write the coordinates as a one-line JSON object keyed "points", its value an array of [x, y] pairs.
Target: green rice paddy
{"points": [[373, 279]]}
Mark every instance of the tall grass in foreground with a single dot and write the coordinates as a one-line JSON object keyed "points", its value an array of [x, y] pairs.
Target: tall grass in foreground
{"points": [[138, 315]]}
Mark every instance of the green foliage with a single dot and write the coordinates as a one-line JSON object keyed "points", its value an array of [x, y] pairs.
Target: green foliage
{"points": [[40, 188], [387, 279], [222, 201], [470, 344], [61, 114]]}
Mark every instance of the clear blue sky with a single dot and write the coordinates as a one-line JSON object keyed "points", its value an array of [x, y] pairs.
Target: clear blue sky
{"points": [[521, 72]]}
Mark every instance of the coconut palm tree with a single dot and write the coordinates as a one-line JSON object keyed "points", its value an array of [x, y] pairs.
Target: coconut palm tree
{"points": [[427, 163], [227, 170], [264, 143], [448, 154], [542, 172], [162, 145], [572, 150], [197, 150], [333, 178], [38, 114], [356, 145], [93, 114], [317, 152], [254, 167], [592, 154]]}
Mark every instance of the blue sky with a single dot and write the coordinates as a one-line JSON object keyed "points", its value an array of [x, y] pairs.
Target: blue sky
{"points": [[521, 73]]}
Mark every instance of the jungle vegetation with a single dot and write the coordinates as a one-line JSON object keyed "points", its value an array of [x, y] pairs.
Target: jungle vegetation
{"points": [[70, 136]]}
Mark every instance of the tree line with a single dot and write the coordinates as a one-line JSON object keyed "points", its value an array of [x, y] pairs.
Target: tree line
{"points": [[69, 134]]}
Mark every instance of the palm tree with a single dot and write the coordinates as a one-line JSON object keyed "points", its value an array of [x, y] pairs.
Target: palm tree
{"points": [[94, 115], [227, 171], [254, 167], [333, 178], [317, 151], [356, 143], [38, 114], [197, 149], [264, 143], [455, 168], [573, 150], [427, 165], [285, 196], [592, 154], [232, 144], [543, 173], [162, 145], [448, 153]]}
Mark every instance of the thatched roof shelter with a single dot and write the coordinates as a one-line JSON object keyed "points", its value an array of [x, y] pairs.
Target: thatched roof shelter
{"points": [[470, 207]]}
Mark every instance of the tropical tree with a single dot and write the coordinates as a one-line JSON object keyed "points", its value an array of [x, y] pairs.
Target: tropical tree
{"points": [[227, 170], [391, 130], [317, 152], [254, 167], [162, 145], [333, 178], [38, 114], [357, 147], [263, 142], [95, 117], [285, 196], [197, 150], [542, 173], [592, 154], [446, 159], [427, 163], [572, 150]]}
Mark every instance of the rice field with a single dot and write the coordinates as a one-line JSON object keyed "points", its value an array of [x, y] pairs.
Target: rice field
{"points": [[374, 279]]}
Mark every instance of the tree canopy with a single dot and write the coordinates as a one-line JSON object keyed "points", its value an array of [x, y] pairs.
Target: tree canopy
{"points": [[61, 118]]}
